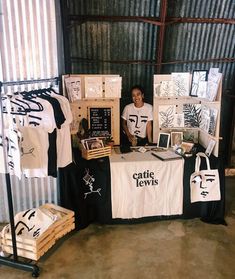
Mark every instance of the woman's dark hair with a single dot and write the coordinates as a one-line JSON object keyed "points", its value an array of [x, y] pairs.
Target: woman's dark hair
{"points": [[139, 87]]}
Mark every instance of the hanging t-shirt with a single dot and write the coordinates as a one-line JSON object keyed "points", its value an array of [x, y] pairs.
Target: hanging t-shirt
{"points": [[35, 144], [63, 140], [137, 118]]}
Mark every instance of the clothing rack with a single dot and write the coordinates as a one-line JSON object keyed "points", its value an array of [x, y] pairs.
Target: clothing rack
{"points": [[3, 260]]}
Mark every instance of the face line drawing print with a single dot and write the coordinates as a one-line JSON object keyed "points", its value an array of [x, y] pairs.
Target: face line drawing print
{"points": [[195, 180], [143, 119], [24, 226]]}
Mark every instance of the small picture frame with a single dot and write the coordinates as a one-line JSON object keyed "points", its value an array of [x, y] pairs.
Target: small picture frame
{"points": [[210, 147], [176, 138], [163, 140]]}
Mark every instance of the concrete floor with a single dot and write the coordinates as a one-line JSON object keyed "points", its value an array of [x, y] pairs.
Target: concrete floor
{"points": [[162, 249]]}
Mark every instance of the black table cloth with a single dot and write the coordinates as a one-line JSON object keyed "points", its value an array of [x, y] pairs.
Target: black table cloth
{"points": [[85, 187]]}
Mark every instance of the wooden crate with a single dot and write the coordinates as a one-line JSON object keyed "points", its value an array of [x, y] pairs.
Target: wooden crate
{"points": [[96, 153], [34, 248]]}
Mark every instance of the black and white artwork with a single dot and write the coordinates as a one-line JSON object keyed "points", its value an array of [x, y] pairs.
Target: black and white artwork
{"points": [[178, 120], [89, 180], [198, 78], [205, 118], [113, 87], [192, 115], [166, 116], [73, 88], [214, 78], [166, 88], [156, 89], [180, 84], [213, 120]]}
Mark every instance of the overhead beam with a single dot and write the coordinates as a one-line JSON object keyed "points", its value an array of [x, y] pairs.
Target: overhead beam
{"points": [[152, 62], [152, 20]]}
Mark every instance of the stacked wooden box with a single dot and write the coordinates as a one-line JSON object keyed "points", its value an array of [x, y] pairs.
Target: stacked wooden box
{"points": [[34, 248]]}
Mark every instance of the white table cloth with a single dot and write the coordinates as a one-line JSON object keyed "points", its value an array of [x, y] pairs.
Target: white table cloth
{"points": [[142, 186]]}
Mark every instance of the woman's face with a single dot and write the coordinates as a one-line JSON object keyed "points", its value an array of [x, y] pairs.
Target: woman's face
{"points": [[137, 97]]}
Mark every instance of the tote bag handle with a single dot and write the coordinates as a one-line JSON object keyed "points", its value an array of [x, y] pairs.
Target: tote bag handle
{"points": [[198, 161]]}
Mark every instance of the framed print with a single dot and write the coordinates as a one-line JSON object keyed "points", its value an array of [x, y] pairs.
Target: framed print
{"points": [[176, 138], [199, 77], [163, 140]]}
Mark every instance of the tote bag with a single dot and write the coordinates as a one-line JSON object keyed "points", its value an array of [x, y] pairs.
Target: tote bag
{"points": [[204, 184]]}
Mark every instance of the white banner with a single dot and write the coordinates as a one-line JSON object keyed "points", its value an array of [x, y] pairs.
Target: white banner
{"points": [[149, 187]]}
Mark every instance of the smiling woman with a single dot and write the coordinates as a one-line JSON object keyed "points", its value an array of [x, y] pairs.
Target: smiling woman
{"points": [[137, 119]]}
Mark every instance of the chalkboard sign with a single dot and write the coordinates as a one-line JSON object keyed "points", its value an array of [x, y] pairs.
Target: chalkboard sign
{"points": [[100, 121]]}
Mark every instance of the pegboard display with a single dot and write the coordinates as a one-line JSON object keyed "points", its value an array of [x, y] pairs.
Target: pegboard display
{"points": [[186, 114], [102, 113]]}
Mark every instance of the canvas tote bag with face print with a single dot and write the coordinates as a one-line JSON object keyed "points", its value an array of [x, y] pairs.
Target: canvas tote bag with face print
{"points": [[204, 184]]}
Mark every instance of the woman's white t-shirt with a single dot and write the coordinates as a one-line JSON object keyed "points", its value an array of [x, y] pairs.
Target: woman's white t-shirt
{"points": [[137, 118]]}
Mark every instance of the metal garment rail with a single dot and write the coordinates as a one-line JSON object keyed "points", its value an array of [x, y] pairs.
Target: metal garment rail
{"points": [[8, 261]]}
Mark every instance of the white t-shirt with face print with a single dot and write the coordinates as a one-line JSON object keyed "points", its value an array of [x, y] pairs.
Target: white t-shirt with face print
{"points": [[137, 118]]}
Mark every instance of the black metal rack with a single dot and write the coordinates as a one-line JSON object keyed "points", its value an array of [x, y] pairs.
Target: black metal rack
{"points": [[14, 262]]}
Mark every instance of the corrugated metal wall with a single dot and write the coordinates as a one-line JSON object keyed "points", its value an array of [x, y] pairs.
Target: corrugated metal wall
{"points": [[28, 50], [100, 41], [201, 8], [115, 7]]}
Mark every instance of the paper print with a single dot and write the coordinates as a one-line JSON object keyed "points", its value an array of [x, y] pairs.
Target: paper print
{"points": [[166, 88], [213, 119], [197, 78], [180, 84], [113, 87], [178, 120], [192, 115], [214, 78], [156, 89], [93, 87], [166, 115], [73, 87]]}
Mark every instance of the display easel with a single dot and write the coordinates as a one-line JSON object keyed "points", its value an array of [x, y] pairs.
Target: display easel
{"points": [[14, 262], [204, 137]]}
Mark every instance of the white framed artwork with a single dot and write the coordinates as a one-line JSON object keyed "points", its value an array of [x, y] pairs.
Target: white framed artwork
{"points": [[93, 87]]}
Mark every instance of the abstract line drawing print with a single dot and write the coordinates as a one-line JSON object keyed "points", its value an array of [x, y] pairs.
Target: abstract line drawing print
{"points": [[166, 88], [213, 119], [166, 115], [192, 115], [205, 118], [113, 87], [197, 78], [180, 84], [93, 87], [137, 121], [179, 120], [89, 180]]}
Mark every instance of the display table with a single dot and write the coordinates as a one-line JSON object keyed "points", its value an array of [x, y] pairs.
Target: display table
{"points": [[98, 191]]}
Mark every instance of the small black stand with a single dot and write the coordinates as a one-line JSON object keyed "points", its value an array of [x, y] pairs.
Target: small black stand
{"points": [[14, 262]]}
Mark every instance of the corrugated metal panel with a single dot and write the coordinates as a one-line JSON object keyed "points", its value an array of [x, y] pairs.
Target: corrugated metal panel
{"points": [[201, 8], [200, 41], [115, 41], [28, 46], [115, 7], [28, 50], [27, 193]]}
